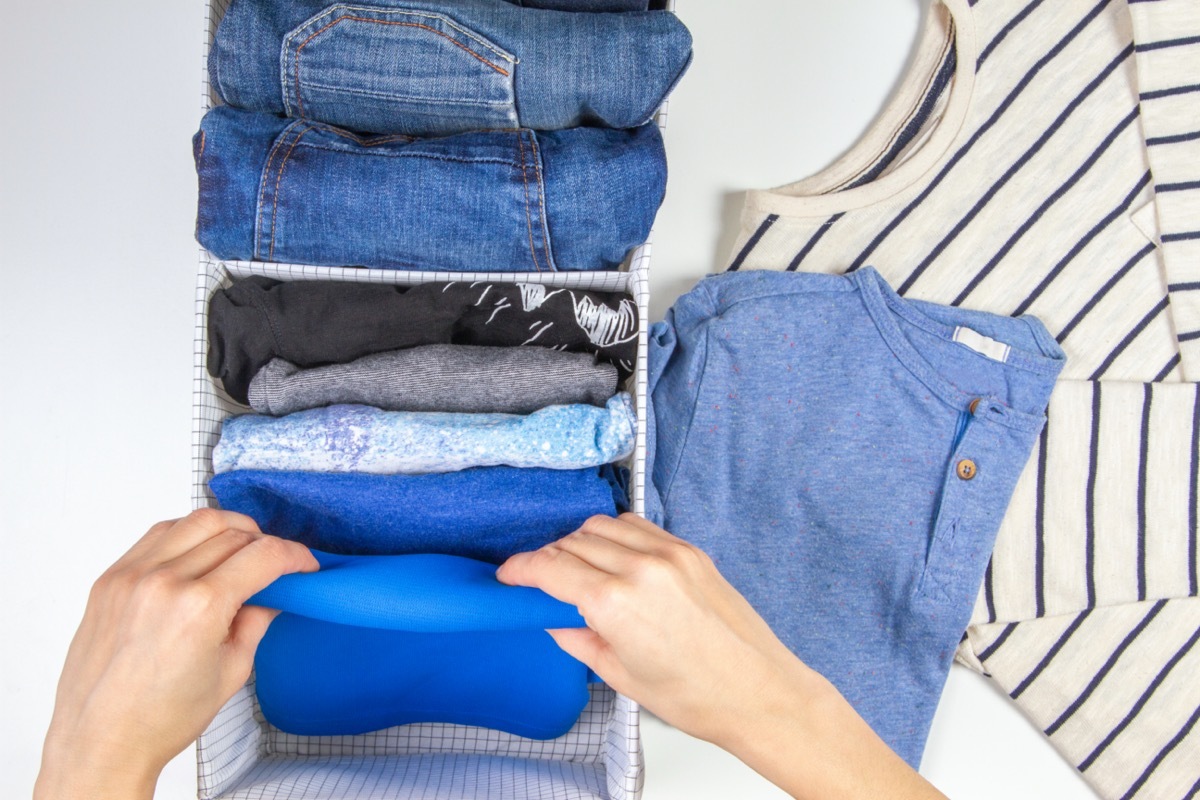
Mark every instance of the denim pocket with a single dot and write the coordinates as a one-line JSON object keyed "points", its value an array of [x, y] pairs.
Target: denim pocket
{"points": [[459, 203], [403, 71]]}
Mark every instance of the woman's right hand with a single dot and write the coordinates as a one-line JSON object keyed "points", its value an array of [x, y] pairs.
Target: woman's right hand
{"points": [[667, 630]]}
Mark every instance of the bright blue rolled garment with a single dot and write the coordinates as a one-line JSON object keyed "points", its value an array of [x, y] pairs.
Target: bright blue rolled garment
{"points": [[354, 438], [487, 513], [369, 642]]}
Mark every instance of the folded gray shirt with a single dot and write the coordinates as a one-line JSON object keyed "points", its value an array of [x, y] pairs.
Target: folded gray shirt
{"points": [[439, 377]]}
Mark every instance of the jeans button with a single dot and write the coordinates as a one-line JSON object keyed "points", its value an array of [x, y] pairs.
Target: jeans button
{"points": [[966, 469]]}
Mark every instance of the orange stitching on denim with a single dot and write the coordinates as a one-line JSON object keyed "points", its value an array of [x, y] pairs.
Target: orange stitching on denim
{"points": [[451, 39], [528, 219], [537, 168], [278, 178], [262, 191], [202, 143]]}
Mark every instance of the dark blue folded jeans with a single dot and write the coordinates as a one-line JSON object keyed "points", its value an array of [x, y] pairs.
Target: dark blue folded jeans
{"points": [[273, 189], [425, 67]]}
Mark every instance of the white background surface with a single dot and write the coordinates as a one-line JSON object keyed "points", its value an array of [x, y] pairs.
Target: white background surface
{"points": [[98, 101]]}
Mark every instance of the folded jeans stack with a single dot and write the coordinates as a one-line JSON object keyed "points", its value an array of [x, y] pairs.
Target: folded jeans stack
{"points": [[544, 160]]}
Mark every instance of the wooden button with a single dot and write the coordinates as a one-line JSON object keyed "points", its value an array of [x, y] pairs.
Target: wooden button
{"points": [[974, 405], [967, 469]]}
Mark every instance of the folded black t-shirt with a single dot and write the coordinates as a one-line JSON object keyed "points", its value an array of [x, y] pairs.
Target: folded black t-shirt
{"points": [[311, 323]]}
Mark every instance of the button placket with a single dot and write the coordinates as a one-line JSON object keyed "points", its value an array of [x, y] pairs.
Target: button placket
{"points": [[966, 468], [956, 500]]}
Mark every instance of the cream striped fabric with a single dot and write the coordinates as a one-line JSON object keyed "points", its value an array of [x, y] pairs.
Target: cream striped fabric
{"points": [[1043, 157]]}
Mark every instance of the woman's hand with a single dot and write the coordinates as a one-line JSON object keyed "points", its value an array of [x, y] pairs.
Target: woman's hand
{"points": [[165, 641], [667, 630]]}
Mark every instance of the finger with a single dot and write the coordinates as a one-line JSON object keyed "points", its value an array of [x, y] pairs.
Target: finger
{"points": [[585, 645], [248, 628], [148, 540], [648, 526], [599, 551], [643, 537], [193, 530], [211, 553], [256, 565], [562, 575]]}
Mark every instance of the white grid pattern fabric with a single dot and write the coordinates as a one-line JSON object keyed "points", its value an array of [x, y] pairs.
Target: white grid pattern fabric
{"points": [[425, 777]]}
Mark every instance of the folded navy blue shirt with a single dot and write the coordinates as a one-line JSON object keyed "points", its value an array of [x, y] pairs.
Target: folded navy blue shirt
{"points": [[487, 513]]}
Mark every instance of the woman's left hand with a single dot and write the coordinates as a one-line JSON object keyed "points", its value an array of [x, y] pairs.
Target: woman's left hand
{"points": [[165, 641]]}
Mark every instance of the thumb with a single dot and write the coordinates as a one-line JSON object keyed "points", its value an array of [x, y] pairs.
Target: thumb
{"points": [[584, 644], [249, 626]]}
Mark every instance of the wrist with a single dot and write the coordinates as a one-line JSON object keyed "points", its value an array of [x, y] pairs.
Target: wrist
{"points": [[79, 767], [803, 736], [779, 715]]}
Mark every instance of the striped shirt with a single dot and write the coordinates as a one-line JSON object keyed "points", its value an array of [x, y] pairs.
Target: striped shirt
{"points": [[1043, 157]]}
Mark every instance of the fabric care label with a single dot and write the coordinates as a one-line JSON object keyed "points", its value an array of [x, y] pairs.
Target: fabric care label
{"points": [[984, 345]]}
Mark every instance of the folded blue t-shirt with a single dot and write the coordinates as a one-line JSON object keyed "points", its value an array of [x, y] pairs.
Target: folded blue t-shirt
{"points": [[487, 513], [369, 642]]}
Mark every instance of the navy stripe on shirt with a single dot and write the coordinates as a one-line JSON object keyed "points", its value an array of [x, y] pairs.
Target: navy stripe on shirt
{"points": [[1140, 703], [1050, 654], [1128, 340], [752, 241], [999, 641], [1054, 197], [1059, 121], [1162, 754], [1099, 295], [979, 132], [1143, 457], [1005, 31], [1106, 668], [1157, 94], [1090, 507]]}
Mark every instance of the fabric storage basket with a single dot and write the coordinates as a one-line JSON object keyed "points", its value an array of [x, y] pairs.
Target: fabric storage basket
{"points": [[241, 756]]}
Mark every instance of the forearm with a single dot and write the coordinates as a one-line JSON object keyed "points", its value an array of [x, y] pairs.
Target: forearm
{"points": [[804, 737]]}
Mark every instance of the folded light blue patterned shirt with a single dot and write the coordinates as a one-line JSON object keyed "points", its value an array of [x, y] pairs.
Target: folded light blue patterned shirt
{"points": [[354, 438]]}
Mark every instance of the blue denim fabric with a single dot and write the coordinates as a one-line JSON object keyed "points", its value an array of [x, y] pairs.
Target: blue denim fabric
{"points": [[585, 5], [511, 201], [374, 641], [488, 513], [423, 67], [810, 432]]}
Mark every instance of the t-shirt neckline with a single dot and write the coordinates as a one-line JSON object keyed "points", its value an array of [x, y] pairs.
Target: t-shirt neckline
{"points": [[949, 23]]}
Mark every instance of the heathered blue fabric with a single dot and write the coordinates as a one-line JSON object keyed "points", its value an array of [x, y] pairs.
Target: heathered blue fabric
{"points": [[806, 431], [356, 438], [374, 641], [488, 513]]}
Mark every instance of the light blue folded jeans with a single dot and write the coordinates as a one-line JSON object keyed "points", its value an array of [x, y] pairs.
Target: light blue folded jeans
{"points": [[273, 189], [434, 67], [846, 456]]}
